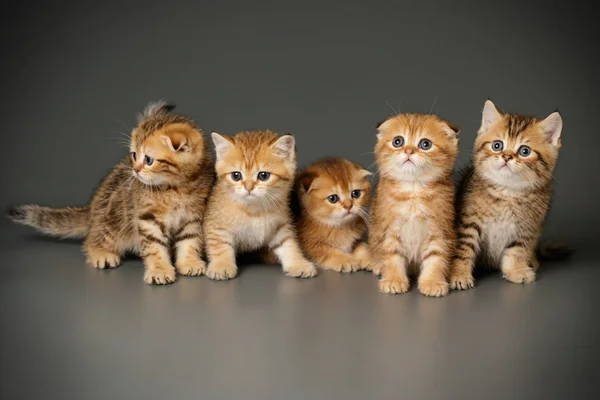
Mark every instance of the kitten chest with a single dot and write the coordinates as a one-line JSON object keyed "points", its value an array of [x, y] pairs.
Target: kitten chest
{"points": [[413, 228], [498, 232], [255, 232]]}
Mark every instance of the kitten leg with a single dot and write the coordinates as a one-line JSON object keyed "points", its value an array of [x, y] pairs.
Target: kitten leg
{"points": [[221, 255], [434, 270], [101, 249], [461, 269], [393, 274], [362, 253], [518, 262], [188, 249], [286, 248], [334, 259], [155, 252]]}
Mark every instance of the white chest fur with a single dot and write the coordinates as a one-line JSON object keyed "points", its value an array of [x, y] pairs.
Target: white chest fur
{"points": [[254, 232], [497, 234], [413, 227]]}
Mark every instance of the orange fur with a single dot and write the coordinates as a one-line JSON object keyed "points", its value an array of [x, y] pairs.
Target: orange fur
{"points": [[413, 212], [330, 233]]}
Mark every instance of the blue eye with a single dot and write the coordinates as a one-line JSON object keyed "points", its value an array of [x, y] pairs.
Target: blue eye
{"points": [[425, 144], [333, 198], [236, 176], [398, 141], [263, 175], [497, 145], [524, 151], [148, 160], [355, 194]]}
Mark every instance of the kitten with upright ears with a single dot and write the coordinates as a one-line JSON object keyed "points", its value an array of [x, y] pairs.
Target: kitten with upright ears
{"points": [[505, 195], [412, 216], [151, 204], [332, 195], [248, 210]]}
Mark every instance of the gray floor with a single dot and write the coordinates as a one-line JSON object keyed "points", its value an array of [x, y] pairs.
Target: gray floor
{"points": [[73, 332]]}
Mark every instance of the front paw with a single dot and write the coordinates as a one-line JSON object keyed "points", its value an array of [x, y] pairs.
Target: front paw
{"points": [[301, 269], [433, 288], [521, 275], [462, 281], [221, 271], [363, 256], [191, 268], [101, 259], [395, 285], [346, 265], [160, 275]]}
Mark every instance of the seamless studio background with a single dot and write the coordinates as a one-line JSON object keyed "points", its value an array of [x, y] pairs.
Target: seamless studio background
{"points": [[75, 74]]}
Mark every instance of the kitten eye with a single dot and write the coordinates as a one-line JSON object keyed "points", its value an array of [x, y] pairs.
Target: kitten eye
{"points": [[148, 160], [263, 175], [497, 145], [425, 144], [333, 198], [398, 141], [236, 176], [133, 155], [524, 151], [355, 194]]}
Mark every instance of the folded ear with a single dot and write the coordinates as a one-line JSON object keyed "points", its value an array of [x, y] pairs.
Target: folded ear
{"points": [[222, 144], [450, 129], [552, 128], [307, 182], [363, 173], [490, 116], [285, 146], [156, 109], [176, 141]]}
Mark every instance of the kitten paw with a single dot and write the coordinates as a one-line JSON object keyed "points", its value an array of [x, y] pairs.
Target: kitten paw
{"points": [[301, 269], [375, 269], [101, 259], [343, 267], [462, 281], [221, 272], [433, 288], [394, 285], [524, 275], [160, 275], [191, 268]]}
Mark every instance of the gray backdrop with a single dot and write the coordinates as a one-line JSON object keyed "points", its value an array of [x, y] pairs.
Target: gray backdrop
{"points": [[75, 75]]}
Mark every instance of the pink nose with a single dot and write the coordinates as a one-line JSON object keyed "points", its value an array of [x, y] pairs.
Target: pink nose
{"points": [[506, 157]]}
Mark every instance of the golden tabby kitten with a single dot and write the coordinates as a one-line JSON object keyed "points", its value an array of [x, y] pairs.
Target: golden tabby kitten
{"points": [[413, 212], [152, 202], [333, 195], [248, 210], [505, 196]]}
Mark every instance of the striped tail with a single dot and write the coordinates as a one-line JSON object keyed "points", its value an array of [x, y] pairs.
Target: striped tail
{"points": [[554, 251], [70, 222]]}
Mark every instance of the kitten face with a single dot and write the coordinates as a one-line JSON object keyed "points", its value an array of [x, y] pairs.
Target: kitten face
{"points": [[416, 147], [334, 191], [514, 151], [257, 167], [165, 153]]}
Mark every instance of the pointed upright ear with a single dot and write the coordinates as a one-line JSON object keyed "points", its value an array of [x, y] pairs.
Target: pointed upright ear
{"points": [[285, 146], [222, 144], [450, 129], [490, 116], [307, 182], [552, 128], [176, 141]]}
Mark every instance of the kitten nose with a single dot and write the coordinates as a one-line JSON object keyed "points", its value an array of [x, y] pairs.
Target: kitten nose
{"points": [[249, 185], [409, 151], [507, 157], [347, 204], [137, 168]]}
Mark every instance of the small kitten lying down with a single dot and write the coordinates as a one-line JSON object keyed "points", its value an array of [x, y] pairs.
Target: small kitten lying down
{"points": [[412, 218], [151, 203], [248, 210], [333, 195], [505, 196]]}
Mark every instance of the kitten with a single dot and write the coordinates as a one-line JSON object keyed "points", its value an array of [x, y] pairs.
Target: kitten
{"points": [[505, 195], [151, 203], [333, 195], [248, 210], [412, 219]]}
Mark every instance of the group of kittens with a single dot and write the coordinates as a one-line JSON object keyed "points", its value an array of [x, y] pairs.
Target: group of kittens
{"points": [[169, 203]]}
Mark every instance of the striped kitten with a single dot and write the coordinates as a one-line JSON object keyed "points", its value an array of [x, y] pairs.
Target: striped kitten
{"points": [[333, 195], [412, 216], [151, 204], [248, 210], [505, 196]]}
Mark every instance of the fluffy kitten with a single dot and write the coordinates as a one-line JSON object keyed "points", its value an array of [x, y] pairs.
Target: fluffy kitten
{"points": [[333, 195], [413, 212], [151, 203], [248, 210], [505, 195]]}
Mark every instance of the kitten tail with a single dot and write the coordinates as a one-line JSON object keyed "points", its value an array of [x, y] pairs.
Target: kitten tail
{"points": [[554, 251], [70, 222]]}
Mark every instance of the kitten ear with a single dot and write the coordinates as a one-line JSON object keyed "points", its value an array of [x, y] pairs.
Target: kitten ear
{"points": [[307, 182], [490, 116], [155, 109], [285, 146], [450, 129], [176, 141], [552, 128], [222, 144], [363, 173]]}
